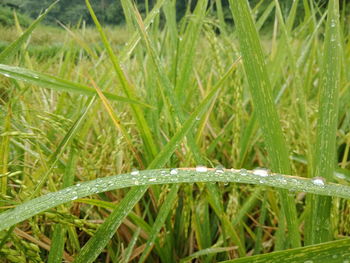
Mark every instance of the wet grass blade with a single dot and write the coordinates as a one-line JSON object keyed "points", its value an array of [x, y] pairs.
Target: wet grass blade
{"points": [[330, 252], [260, 90], [319, 225], [156, 177], [57, 244]]}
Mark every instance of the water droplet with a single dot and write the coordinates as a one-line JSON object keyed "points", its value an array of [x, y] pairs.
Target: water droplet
{"points": [[283, 181], [219, 169], [339, 175], [152, 180], [261, 172], [136, 182], [243, 172], [135, 172], [333, 23], [197, 118], [173, 171], [77, 184], [75, 197], [320, 181], [7, 75], [201, 169]]}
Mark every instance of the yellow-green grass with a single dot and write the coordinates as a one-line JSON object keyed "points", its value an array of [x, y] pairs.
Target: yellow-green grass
{"points": [[160, 94]]}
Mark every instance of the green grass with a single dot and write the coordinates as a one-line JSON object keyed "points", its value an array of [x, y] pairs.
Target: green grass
{"points": [[176, 94]]}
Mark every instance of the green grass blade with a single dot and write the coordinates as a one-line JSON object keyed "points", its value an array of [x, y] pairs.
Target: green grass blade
{"points": [[5, 151], [131, 246], [95, 245], [187, 48], [156, 177], [16, 45], [57, 244], [161, 217], [135, 39], [55, 83], [319, 225], [213, 198], [261, 89], [330, 252]]}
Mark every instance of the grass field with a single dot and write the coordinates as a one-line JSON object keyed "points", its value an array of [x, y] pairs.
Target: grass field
{"points": [[146, 143]]}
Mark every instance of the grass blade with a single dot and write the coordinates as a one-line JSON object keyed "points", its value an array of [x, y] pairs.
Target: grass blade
{"points": [[156, 177], [161, 217], [55, 83], [131, 246], [261, 89], [57, 244], [330, 252], [319, 225], [4, 152]]}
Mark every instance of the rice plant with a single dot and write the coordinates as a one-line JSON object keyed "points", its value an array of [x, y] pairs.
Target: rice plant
{"points": [[219, 136]]}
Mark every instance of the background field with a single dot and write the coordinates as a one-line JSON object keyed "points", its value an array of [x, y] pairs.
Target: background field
{"points": [[82, 102]]}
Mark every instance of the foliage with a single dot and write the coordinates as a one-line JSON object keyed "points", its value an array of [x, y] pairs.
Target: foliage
{"points": [[7, 17], [91, 133]]}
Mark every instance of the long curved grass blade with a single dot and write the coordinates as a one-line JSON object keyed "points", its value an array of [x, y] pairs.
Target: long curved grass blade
{"points": [[330, 252], [261, 90], [156, 177], [320, 226], [16, 45], [55, 83]]}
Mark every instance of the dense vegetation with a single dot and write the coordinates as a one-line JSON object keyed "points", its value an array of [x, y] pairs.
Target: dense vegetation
{"points": [[114, 139], [111, 11]]}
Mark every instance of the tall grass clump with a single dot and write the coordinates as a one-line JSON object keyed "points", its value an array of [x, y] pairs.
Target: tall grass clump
{"points": [[150, 147]]}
